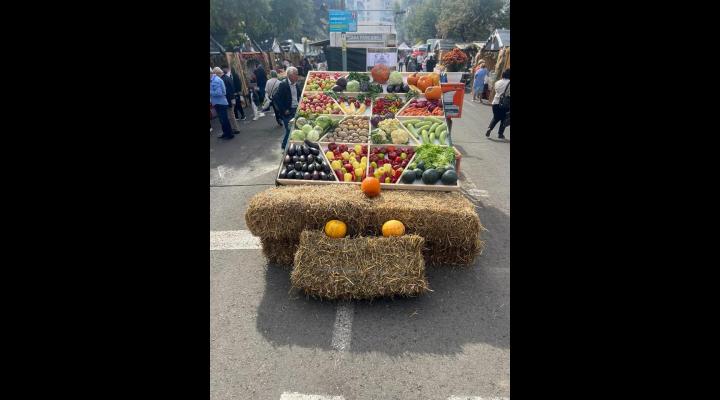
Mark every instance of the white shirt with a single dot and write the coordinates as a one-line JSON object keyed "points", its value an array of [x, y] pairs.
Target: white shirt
{"points": [[293, 94], [499, 89]]}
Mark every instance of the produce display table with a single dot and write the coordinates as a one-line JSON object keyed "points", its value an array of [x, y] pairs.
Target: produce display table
{"points": [[395, 123]]}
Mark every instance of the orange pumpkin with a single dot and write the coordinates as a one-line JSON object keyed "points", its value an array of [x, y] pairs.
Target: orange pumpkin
{"points": [[424, 83], [393, 228], [435, 78], [433, 93], [412, 79], [335, 229], [370, 186]]}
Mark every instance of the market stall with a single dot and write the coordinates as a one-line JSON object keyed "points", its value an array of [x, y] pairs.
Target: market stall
{"points": [[355, 135], [384, 124]]}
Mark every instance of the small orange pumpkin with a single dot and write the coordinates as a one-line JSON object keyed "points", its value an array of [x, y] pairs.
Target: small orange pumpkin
{"points": [[370, 186], [393, 228], [424, 82], [335, 229], [412, 79], [433, 93]]}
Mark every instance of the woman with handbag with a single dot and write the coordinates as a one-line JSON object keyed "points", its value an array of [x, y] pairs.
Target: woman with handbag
{"points": [[501, 104]]}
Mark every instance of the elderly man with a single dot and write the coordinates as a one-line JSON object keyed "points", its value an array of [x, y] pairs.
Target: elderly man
{"points": [[224, 74], [286, 100], [219, 100]]}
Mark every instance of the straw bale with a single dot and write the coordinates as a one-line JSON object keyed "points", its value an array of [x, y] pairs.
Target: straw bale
{"points": [[280, 252], [359, 267]]}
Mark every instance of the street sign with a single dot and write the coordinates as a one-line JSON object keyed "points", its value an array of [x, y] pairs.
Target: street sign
{"points": [[343, 21]]}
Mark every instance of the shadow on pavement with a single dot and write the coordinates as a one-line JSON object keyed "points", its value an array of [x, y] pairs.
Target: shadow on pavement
{"points": [[467, 306]]}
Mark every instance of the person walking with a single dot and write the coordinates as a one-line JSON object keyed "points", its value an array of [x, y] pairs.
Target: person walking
{"points": [[286, 99], [430, 64], [219, 100], [239, 100], [500, 104], [479, 82], [224, 74], [261, 79], [271, 88]]}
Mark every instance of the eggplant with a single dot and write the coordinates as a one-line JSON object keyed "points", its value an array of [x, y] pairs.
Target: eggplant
{"points": [[311, 167], [312, 145], [304, 168], [287, 159], [315, 152], [302, 159], [290, 167], [305, 150], [295, 159], [291, 149], [290, 175], [315, 176], [337, 88], [298, 174], [307, 176], [283, 174], [298, 166], [322, 176], [310, 158]]}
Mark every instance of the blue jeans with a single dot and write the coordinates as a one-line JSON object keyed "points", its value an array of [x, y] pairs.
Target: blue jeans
{"points": [[286, 121], [222, 111]]}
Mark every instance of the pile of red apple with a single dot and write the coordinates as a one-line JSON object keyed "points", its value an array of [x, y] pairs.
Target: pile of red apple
{"points": [[318, 104], [387, 163], [321, 81], [348, 163]]}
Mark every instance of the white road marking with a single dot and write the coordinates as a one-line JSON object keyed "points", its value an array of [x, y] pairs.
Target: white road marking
{"points": [[300, 396], [342, 330], [234, 240], [476, 398]]}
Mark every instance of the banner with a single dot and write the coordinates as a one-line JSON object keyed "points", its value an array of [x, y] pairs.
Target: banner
{"points": [[382, 55]]}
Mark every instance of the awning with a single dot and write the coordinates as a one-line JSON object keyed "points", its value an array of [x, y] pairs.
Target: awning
{"points": [[404, 46]]}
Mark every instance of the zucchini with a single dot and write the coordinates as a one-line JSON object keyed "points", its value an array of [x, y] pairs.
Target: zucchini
{"points": [[425, 137], [442, 138], [432, 138], [412, 121], [435, 119], [434, 127]]}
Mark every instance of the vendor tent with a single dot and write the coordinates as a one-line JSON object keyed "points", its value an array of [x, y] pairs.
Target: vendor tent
{"points": [[499, 39], [404, 47]]}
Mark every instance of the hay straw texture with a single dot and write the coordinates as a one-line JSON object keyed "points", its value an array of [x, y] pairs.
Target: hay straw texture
{"points": [[281, 252], [360, 267], [446, 220]]}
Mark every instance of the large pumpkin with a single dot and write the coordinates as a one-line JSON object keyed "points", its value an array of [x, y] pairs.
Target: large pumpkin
{"points": [[393, 228], [412, 79], [380, 73], [424, 83], [370, 186], [335, 229], [433, 93]]}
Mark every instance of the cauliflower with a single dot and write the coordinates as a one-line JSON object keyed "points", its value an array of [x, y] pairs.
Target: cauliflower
{"points": [[399, 136]]}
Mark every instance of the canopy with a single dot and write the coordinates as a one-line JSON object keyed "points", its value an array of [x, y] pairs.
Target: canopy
{"points": [[404, 46]]}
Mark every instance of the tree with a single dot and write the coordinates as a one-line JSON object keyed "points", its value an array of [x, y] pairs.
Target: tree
{"points": [[231, 21], [421, 21], [472, 19]]}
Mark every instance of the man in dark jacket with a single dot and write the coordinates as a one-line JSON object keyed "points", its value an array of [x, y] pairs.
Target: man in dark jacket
{"points": [[230, 94], [287, 99], [237, 83], [261, 80], [430, 64]]}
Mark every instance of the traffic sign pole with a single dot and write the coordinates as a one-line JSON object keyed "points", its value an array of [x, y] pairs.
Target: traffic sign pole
{"points": [[344, 52]]}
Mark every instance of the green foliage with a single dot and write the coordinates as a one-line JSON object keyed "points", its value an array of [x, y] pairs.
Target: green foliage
{"points": [[463, 20]]}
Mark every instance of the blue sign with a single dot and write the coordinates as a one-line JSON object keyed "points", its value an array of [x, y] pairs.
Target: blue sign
{"points": [[343, 21]]}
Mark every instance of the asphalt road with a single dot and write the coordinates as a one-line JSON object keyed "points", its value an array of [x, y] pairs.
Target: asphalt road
{"points": [[267, 342]]}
